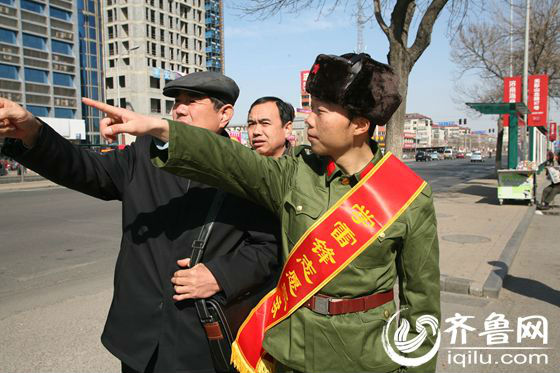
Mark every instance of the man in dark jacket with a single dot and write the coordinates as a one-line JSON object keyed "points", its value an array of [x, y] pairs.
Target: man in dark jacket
{"points": [[149, 328]]}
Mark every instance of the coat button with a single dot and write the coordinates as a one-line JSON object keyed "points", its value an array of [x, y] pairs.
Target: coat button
{"points": [[345, 181], [382, 234], [386, 313], [299, 208], [160, 305]]}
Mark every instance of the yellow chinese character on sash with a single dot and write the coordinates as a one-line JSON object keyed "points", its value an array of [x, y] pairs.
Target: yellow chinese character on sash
{"points": [[361, 215], [325, 254], [308, 268], [343, 235], [293, 282], [285, 296], [276, 306]]}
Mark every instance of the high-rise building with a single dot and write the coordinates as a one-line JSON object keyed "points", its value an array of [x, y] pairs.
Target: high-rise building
{"points": [[91, 63], [39, 56], [214, 35], [148, 43]]}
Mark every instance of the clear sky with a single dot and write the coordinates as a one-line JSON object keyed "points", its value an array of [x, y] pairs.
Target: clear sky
{"points": [[265, 57]]}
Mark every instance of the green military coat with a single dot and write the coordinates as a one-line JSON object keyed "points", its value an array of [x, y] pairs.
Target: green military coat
{"points": [[298, 189]]}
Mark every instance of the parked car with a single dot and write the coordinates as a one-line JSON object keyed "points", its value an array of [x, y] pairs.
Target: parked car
{"points": [[469, 154], [422, 156], [460, 156], [3, 170], [448, 154], [476, 157], [434, 156]]}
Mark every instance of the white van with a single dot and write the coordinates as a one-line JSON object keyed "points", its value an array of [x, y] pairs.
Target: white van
{"points": [[448, 154]]}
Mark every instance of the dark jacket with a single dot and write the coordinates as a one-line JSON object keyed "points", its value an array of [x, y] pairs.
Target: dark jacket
{"points": [[162, 214]]}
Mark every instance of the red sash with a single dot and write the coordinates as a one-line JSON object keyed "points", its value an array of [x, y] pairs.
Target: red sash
{"points": [[325, 249]]}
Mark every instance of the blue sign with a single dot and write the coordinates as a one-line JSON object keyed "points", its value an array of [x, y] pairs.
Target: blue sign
{"points": [[155, 72], [445, 124]]}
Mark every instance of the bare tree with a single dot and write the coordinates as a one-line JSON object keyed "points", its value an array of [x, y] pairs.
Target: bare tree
{"points": [[483, 47], [402, 54]]}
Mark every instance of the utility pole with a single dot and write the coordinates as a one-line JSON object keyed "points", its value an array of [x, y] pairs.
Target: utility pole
{"points": [[360, 27], [525, 148]]}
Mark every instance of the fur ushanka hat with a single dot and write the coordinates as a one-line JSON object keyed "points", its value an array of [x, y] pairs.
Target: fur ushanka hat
{"points": [[358, 83]]}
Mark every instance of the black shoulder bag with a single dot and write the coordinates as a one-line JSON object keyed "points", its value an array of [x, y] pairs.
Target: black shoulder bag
{"points": [[220, 323]]}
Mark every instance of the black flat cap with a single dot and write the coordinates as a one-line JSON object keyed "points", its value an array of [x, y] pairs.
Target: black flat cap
{"points": [[208, 83]]}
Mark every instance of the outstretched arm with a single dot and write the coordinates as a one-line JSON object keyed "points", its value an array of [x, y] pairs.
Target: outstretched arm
{"points": [[204, 156], [37, 146]]}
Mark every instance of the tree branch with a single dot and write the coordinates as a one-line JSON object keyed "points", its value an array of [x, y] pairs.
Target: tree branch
{"points": [[424, 34], [400, 20], [379, 18]]}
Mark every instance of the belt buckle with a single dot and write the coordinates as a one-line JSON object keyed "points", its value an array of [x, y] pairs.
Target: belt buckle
{"points": [[322, 305]]}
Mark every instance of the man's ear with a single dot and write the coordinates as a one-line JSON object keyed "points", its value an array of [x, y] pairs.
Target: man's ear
{"points": [[288, 129], [225, 113], [361, 125]]}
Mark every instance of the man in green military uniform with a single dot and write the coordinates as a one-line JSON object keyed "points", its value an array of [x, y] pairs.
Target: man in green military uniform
{"points": [[350, 95]]}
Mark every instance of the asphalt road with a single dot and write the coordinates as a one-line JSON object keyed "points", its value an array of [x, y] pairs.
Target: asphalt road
{"points": [[58, 250], [445, 174]]}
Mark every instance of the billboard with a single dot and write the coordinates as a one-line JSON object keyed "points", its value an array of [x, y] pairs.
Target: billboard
{"points": [[303, 79], [552, 130], [512, 93], [538, 100]]}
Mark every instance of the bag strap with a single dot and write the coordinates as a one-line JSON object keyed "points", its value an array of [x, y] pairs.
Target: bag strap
{"points": [[199, 245]]}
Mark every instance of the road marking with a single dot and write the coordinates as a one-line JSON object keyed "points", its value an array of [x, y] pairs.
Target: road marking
{"points": [[54, 271]]}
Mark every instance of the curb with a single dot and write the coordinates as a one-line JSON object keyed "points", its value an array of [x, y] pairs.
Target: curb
{"points": [[494, 282], [30, 185], [456, 285]]}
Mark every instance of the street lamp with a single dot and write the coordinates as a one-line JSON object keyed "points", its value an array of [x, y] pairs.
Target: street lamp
{"points": [[118, 81]]}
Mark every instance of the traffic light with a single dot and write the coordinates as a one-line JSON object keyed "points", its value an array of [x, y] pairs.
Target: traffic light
{"points": [[460, 121]]}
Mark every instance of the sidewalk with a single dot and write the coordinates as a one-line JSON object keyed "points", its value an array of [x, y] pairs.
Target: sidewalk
{"points": [[28, 185], [478, 237]]}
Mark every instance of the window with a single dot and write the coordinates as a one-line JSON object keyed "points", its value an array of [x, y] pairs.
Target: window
{"points": [[9, 72], [32, 6], [64, 113], [61, 47], [36, 42], [122, 82], [63, 79], [123, 102], [60, 14], [154, 82], [111, 63], [38, 111], [7, 2], [155, 105], [35, 75], [8, 36], [169, 106], [111, 102]]}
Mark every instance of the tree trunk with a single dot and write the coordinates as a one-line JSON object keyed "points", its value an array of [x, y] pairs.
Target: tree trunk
{"points": [[394, 139], [499, 144]]}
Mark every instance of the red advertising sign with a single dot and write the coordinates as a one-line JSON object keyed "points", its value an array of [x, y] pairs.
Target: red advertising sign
{"points": [[512, 93], [303, 79], [552, 131], [538, 100]]}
